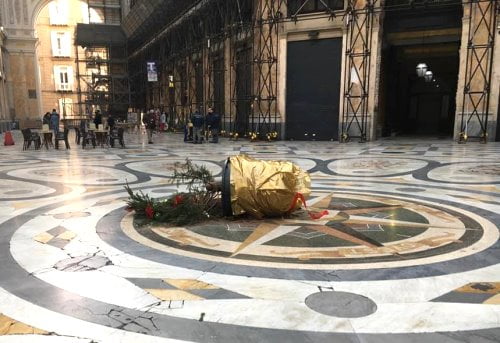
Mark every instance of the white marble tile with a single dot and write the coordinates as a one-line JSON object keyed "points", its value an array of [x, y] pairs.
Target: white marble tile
{"points": [[63, 325], [100, 286]]}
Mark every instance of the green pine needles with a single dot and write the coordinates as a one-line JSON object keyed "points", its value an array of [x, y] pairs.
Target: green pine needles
{"points": [[187, 208]]}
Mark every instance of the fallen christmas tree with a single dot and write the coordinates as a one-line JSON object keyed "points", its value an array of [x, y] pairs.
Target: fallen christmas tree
{"points": [[195, 205], [248, 186]]}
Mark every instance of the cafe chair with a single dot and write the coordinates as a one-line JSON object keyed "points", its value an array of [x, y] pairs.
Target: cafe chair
{"points": [[31, 137], [62, 136], [116, 134], [88, 137]]}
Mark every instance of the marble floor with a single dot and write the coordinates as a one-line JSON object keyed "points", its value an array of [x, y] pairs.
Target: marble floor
{"points": [[408, 253]]}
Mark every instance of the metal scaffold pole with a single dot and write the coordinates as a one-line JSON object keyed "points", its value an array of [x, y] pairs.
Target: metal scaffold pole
{"points": [[359, 17], [474, 111]]}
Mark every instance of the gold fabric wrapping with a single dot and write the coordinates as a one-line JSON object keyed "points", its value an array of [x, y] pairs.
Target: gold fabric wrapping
{"points": [[266, 188]]}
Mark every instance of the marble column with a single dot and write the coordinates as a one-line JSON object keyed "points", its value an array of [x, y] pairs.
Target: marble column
{"points": [[22, 84]]}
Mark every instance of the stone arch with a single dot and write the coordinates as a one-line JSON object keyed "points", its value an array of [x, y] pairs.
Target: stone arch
{"points": [[37, 6]]}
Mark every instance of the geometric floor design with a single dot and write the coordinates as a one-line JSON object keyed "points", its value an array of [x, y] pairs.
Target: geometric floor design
{"points": [[178, 290], [474, 293], [408, 251], [9, 326], [58, 237]]}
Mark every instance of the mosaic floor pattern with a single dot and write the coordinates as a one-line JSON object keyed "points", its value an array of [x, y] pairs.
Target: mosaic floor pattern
{"points": [[409, 250]]}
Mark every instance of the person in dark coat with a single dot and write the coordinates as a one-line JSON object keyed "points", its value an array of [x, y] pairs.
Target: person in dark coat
{"points": [[97, 119], [198, 122], [111, 122], [54, 122], [46, 119], [213, 124]]}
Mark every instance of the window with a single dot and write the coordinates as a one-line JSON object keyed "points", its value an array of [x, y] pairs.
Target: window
{"points": [[61, 44], [92, 15], [296, 7], [58, 12], [63, 77]]}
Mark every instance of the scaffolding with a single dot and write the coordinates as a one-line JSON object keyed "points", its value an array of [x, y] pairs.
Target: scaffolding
{"points": [[224, 54], [236, 43], [357, 72], [481, 21], [101, 61], [102, 70], [104, 12]]}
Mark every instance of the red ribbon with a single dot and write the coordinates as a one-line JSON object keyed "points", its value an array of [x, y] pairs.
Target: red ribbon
{"points": [[313, 215]]}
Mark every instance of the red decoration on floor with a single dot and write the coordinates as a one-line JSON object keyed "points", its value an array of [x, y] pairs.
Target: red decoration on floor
{"points": [[150, 212], [8, 140]]}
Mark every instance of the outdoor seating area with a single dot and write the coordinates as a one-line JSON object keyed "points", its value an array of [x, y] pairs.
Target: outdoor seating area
{"points": [[94, 136], [88, 135]]}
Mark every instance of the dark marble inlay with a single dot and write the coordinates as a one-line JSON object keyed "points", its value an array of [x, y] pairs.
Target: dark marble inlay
{"points": [[217, 294], [57, 230], [411, 190], [463, 298], [341, 304], [145, 283], [18, 192]]}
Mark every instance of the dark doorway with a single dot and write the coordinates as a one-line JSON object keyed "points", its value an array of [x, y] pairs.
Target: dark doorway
{"points": [[409, 105], [415, 106], [243, 89], [218, 75], [198, 71], [313, 89]]}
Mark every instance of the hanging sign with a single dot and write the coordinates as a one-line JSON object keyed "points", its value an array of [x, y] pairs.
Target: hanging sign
{"points": [[152, 73]]}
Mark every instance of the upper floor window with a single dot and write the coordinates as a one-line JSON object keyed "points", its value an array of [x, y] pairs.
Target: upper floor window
{"points": [[61, 44], [58, 12], [63, 77], [91, 15], [296, 7]]}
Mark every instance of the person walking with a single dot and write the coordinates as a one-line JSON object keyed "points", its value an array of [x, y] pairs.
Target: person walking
{"points": [[213, 124], [198, 122], [149, 121]]}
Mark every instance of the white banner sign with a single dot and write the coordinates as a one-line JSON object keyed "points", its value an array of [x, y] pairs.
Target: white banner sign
{"points": [[152, 73]]}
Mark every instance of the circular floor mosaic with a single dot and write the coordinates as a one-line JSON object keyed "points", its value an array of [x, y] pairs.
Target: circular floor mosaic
{"points": [[360, 230]]}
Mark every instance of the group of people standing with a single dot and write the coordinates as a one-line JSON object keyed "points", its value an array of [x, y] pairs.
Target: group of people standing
{"points": [[198, 123], [52, 120], [193, 131], [98, 120]]}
